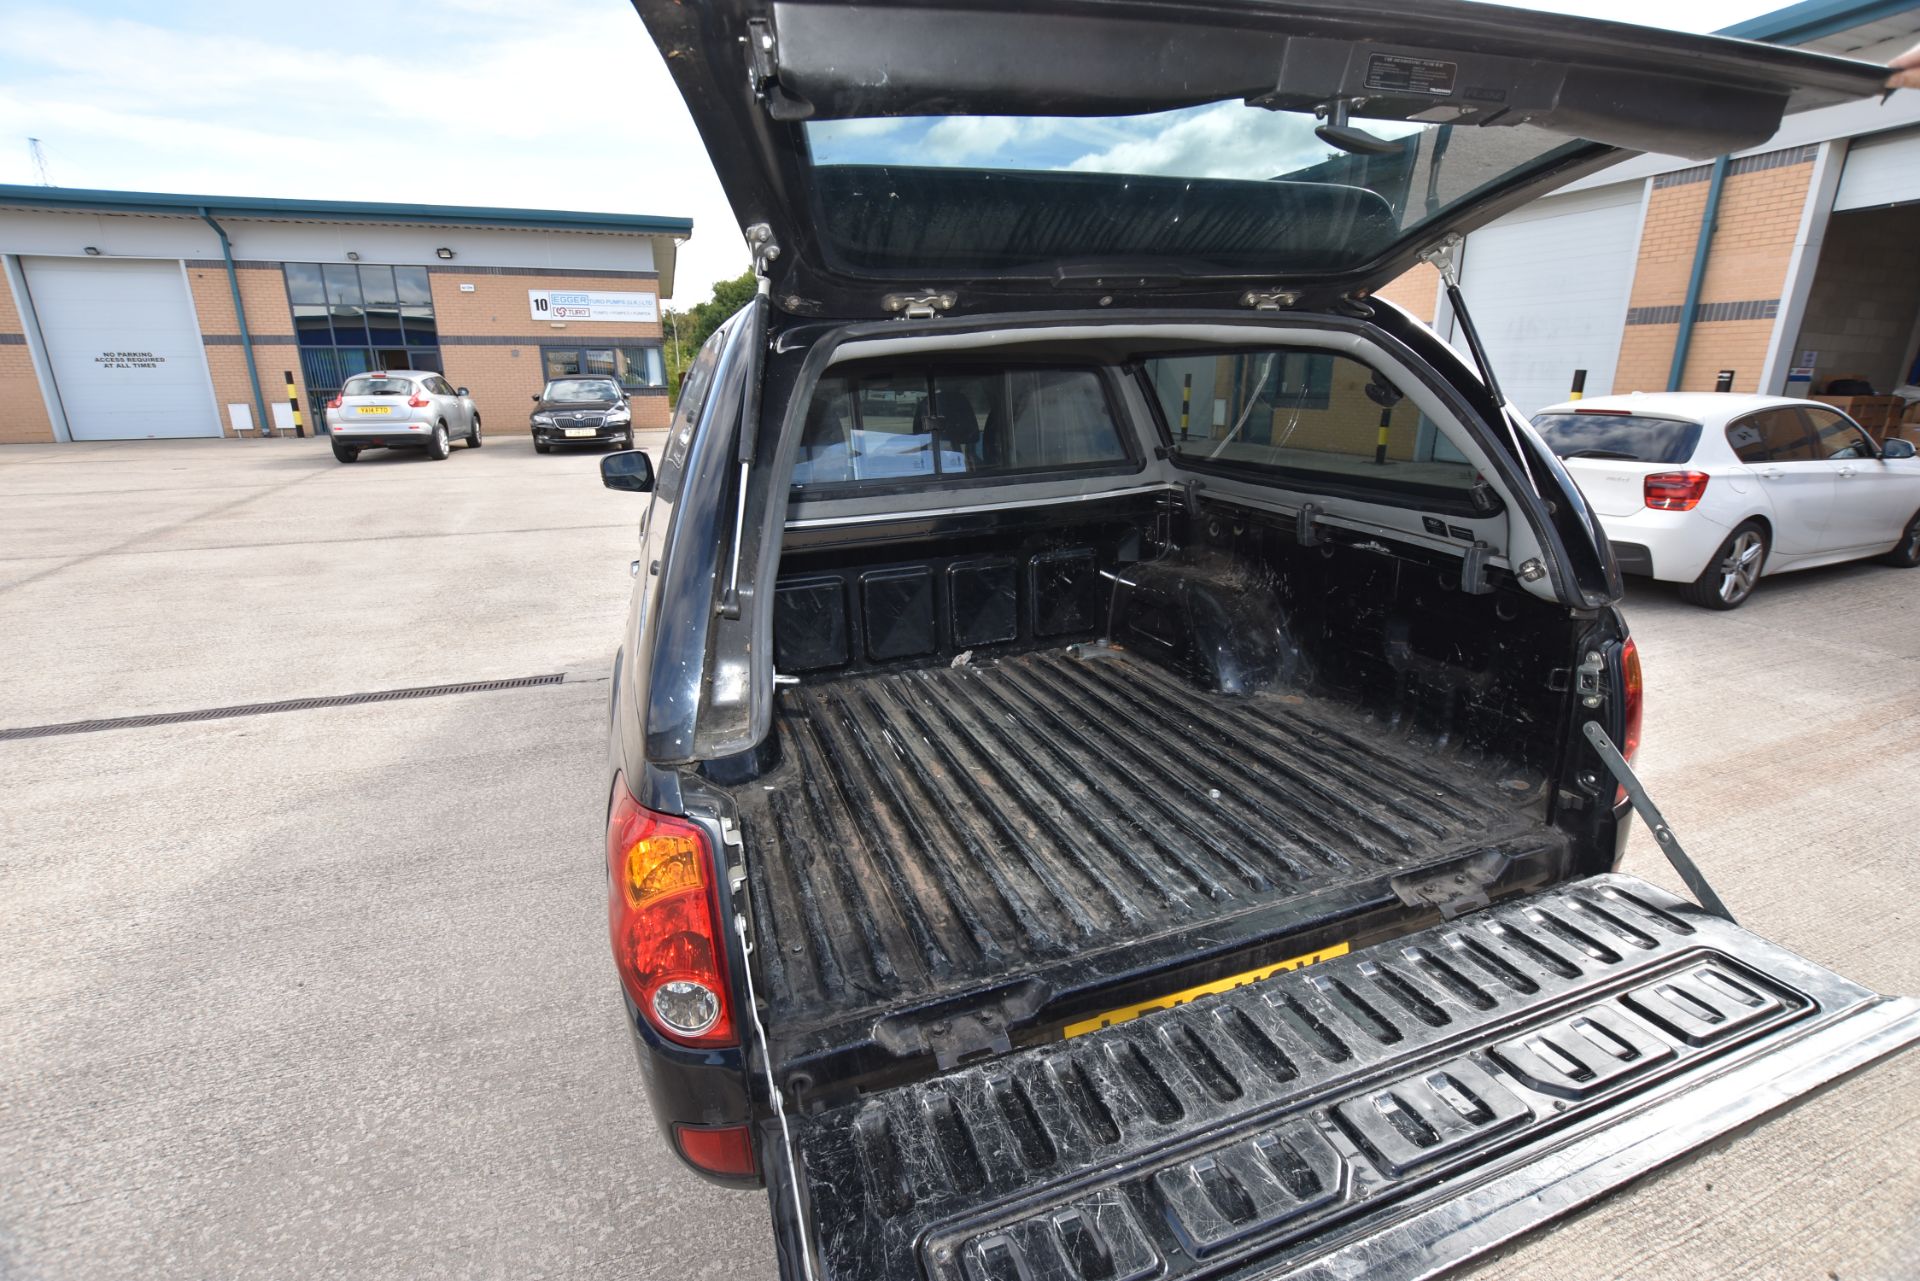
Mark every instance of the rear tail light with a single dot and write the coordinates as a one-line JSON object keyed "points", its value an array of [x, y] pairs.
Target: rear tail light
{"points": [[660, 911], [1675, 491], [334, 403], [1632, 697], [419, 400], [1633, 693], [717, 1149]]}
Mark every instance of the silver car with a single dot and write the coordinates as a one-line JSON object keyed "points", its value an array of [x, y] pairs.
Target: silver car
{"points": [[401, 409]]}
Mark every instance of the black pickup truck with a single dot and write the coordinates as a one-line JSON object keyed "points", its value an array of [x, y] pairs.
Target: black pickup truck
{"points": [[1112, 764]]}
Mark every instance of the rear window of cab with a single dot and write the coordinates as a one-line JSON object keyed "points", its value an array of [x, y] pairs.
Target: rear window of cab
{"points": [[1629, 438]]}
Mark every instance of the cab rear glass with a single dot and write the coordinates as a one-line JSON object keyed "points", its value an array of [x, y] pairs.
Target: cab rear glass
{"points": [[1628, 438]]}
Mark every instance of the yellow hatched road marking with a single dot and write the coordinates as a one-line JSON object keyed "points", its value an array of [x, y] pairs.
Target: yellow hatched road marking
{"points": [[1181, 997]]}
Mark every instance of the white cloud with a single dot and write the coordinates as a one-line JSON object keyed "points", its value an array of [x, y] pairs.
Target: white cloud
{"points": [[1228, 140]]}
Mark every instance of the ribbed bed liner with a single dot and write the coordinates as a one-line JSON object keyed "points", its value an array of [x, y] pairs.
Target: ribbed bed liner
{"points": [[932, 830]]}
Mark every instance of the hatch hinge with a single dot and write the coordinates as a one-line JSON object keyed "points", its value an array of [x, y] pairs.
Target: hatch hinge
{"points": [[920, 306], [1456, 888], [1269, 299], [1589, 679], [763, 70], [763, 247], [1445, 258]]}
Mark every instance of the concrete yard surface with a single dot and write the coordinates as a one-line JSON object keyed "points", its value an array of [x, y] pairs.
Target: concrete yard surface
{"points": [[326, 993]]}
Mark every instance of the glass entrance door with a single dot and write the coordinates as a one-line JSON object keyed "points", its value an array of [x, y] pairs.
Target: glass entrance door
{"points": [[350, 318]]}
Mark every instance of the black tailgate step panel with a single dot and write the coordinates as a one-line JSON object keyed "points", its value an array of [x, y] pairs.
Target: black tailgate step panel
{"points": [[1279, 1121]]}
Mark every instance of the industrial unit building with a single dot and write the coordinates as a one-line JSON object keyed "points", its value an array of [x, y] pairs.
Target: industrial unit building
{"points": [[130, 315], [1791, 265]]}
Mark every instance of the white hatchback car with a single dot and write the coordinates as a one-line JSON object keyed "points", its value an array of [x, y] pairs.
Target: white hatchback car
{"points": [[401, 409], [1713, 491]]}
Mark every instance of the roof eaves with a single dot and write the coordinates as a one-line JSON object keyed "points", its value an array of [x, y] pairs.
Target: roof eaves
{"points": [[145, 202], [1814, 19]]}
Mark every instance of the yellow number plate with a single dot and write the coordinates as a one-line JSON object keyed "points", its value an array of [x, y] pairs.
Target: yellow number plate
{"points": [[375, 409], [1181, 997]]}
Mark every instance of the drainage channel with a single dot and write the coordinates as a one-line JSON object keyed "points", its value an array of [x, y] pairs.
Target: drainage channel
{"points": [[269, 709]]}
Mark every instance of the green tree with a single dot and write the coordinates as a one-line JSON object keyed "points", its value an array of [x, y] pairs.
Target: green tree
{"points": [[687, 330]]}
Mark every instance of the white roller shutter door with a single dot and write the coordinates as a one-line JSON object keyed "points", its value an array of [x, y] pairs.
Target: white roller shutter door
{"points": [[124, 346], [1880, 171], [1548, 286]]}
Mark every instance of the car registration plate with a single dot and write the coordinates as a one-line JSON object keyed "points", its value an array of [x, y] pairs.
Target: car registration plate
{"points": [[376, 409], [579, 431]]}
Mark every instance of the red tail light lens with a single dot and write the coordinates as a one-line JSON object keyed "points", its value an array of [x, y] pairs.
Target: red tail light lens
{"points": [[1675, 491], [660, 912], [1632, 698], [1633, 693], [334, 403], [419, 400], [719, 1149]]}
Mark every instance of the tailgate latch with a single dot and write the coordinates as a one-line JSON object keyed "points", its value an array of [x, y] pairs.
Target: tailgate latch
{"points": [[1588, 678]]}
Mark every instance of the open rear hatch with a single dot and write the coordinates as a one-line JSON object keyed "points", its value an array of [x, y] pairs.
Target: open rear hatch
{"points": [[972, 157], [1388, 1113]]}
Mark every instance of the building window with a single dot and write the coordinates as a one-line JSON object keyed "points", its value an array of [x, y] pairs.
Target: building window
{"points": [[351, 318], [637, 368]]}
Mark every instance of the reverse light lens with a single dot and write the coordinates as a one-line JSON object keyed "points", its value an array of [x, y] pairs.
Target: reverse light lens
{"points": [[687, 1007], [660, 914], [1675, 491]]}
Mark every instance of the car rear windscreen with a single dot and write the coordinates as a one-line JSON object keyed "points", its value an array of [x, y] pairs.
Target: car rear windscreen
{"points": [[374, 385], [1626, 438]]}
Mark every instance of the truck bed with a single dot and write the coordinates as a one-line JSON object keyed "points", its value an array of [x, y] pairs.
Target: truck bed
{"points": [[935, 830]]}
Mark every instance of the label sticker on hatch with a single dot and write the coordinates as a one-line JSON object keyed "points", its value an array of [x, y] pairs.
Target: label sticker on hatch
{"points": [[1167, 1002], [1391, 73]]}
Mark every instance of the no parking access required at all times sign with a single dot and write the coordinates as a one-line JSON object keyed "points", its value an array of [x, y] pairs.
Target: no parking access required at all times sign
{"points": [[591, 304]]}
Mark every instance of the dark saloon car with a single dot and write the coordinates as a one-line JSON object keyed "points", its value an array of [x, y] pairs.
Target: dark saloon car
{"points": [[581, 411]]}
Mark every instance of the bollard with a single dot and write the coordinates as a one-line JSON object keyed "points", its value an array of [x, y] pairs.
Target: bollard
{"points": [[1186, 404], [293, 398], [1725, 381], [1579, 385]]}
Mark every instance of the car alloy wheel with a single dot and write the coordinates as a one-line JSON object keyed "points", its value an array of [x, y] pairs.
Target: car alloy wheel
{"points": [[1740, 567]]}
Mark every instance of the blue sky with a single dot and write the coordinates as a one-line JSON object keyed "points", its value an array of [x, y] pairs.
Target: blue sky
{"points": [[538, 103]]}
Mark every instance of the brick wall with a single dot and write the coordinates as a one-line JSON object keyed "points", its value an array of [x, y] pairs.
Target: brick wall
{"points": [[500, 360], [23, 410], [489, 342], [269, 320], [1417, 290], [1760, 209]]}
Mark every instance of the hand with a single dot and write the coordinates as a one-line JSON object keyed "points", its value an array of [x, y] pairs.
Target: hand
{"points": [[1906, 70]]}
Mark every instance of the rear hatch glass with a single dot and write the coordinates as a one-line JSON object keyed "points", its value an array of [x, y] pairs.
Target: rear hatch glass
{"points": [[1627, 438], [1220, 187], [374, 385]]}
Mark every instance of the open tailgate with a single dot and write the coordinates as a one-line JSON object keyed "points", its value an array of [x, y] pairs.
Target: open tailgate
{"points": [[1389, 1113]]}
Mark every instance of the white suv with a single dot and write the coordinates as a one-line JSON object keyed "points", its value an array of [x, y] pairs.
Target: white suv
{"points": [[401, 409]]}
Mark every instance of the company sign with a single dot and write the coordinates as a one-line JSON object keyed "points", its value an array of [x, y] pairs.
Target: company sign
{"points": [[592, 304]]}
